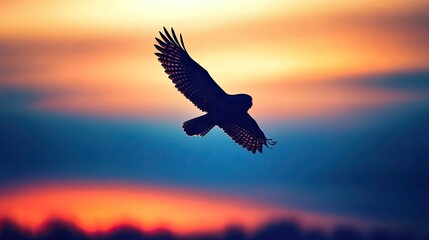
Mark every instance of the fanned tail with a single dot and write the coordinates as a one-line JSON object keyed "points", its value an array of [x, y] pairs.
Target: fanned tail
{"points": [[199, 126]]}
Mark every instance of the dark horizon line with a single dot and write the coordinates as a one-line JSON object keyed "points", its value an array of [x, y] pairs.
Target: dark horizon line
{"points": [[281, 229]]}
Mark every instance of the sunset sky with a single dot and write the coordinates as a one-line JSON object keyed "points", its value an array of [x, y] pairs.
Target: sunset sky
{"points": [[86, 109]]}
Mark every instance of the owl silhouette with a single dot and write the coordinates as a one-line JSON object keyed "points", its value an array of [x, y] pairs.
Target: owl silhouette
{"points": [[228, 112]]}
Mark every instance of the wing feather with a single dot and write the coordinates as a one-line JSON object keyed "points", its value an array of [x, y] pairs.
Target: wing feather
{"points": [[181, 41], [245, 131], [192, 80], [175, 38]]}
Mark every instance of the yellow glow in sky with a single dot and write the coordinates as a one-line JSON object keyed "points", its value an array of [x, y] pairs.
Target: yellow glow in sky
{"points": [[97, 56]]}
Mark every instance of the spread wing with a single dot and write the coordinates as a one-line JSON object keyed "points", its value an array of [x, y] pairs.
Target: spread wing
{"points": [[189, 77], [245, 131]]}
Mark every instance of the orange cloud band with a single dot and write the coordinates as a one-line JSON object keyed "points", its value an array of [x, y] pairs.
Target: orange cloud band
{"points": [[95, 207]]}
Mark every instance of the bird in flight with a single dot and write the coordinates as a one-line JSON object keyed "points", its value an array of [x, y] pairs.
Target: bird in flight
{"points": [[229, 112]]}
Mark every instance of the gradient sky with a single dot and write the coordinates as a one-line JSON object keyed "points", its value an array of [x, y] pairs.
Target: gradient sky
{"points": [[343, 86]]}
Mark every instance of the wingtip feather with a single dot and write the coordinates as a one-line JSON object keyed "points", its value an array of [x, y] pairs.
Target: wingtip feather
{"points": [[181, 41], [175, 37], [160, 41], [163, 37], [159, 48], [168, 35]]}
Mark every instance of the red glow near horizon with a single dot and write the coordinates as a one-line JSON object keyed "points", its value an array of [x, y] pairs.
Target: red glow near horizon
{"points": [[95, 207]]}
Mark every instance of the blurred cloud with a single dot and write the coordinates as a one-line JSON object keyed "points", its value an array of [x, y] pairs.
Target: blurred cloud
{"points": [[147, 207], [275, 101], [264, 40], [17, 99], [96, 58], [413, 82]]}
